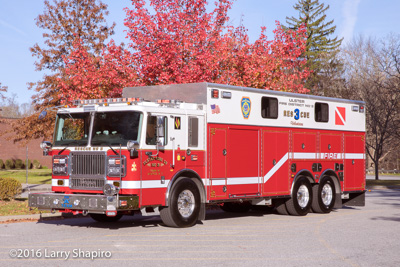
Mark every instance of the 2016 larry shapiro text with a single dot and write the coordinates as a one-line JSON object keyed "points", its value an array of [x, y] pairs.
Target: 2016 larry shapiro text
{"points": [[59, 254]]}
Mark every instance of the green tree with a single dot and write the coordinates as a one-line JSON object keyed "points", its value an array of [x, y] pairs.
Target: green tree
{"points": [[320, 47]]}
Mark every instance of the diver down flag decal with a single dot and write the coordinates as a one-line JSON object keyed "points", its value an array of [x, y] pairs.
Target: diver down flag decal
{"points": [[340, 116]]}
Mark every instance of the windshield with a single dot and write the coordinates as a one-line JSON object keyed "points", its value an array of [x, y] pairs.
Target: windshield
{"points": [[72, 129], [115, 128]]}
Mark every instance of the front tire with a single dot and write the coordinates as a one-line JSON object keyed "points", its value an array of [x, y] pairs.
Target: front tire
{"points": [[324, 196], [184, 205], [300, 202]]}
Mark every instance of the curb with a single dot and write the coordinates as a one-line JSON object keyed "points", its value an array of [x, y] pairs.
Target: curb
{"points": [[34, 187], [37, 217], [382, 187], [30, 217]]}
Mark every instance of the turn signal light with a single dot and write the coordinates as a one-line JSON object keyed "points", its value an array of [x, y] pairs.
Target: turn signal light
{"points": [[214, 93]]}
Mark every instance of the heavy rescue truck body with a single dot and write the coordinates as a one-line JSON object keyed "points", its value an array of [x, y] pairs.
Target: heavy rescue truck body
{"points": [[219, 144]]}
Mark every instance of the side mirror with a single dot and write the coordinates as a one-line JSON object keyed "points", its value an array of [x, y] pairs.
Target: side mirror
{"points": [[42, 114], [132, 147], [46, 146], [160, 126]]}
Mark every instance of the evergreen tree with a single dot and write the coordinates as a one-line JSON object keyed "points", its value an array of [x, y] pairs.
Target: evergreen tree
{"points": [[319, 46]]}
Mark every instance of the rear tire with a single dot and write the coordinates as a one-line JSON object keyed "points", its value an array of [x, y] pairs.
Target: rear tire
{"points": [[324, 196], [300, 202], [105, 218], [184, 205]]}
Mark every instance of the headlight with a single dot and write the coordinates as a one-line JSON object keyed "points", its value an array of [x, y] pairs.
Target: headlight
{"points": [[60, 165], [131, 145], [116, 166], [110, 190]]}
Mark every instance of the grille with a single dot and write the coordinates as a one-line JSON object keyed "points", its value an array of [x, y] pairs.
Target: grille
{"points": [[87, 183], [88, 164], [88, 170]]}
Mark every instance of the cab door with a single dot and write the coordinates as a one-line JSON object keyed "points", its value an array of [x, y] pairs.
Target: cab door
{"points": [[156, 157]]}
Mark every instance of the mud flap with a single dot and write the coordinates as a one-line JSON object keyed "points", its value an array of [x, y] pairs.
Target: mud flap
{"points": [[202, 213], [338, 201], [355, 200]]}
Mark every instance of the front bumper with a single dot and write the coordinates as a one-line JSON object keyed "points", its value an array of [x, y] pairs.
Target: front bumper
{"points": [[80, 202]]}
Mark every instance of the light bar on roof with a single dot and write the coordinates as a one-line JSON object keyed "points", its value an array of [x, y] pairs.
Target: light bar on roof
{"points": [[107, 101], [168, 101]]}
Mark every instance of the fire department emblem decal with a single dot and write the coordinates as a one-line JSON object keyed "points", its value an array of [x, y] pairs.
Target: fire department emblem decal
{"points": [[246, 107], [134, 167]]}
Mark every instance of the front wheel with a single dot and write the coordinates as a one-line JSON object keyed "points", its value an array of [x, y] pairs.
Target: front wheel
{"points": [[324, 196], [184, 205], [300, 202]]}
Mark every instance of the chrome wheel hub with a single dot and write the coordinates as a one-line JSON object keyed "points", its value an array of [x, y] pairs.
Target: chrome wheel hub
{"points": [[327, 194], [303, 196], [186, 203]]}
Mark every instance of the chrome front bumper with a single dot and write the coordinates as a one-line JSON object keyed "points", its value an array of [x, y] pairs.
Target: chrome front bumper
{"points": [[86, 203]]}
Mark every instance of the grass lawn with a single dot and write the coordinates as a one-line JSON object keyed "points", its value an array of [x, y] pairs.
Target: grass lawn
{"points": [[39, 176], [16, 207]]}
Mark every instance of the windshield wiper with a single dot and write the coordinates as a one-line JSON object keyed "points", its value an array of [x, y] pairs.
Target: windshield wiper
{"points": [[100, 143], [70, 143]]}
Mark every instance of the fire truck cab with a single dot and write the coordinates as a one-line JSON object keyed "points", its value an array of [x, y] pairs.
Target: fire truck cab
{"points": [[170, 150]]}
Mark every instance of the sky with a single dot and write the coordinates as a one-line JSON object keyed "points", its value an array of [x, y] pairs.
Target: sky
{"points": [[18, 30]]}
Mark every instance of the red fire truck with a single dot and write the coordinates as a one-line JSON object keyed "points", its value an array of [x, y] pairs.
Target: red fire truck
{"points": [[218, 144]]}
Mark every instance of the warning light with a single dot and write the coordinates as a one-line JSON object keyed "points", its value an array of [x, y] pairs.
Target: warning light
{"points": [[214, 93]]}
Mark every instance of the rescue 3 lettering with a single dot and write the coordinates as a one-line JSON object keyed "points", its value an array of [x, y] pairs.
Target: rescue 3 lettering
{"points": [[296, 114]]}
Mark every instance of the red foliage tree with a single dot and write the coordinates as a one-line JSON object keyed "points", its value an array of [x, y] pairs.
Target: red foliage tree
{"points": [[180, 42], [62, 22], [90, 77]]}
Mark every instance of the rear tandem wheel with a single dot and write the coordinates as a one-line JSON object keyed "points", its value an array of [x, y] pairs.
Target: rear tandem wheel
{"points": [[324, 196], [300, 202]]}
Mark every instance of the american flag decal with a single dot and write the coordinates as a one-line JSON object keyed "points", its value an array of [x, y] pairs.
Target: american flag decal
{"points": [[215, 109]]}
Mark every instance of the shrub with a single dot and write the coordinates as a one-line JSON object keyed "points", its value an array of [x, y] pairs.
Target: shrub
{"points": [[29, 164], [19, 164], [1, 164], [9, 164], [36, 164], [9, 188]]}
